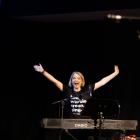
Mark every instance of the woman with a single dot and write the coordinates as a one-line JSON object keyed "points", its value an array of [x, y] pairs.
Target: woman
{"points": [[77, 93]]}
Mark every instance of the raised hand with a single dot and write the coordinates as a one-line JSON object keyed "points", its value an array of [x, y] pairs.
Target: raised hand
{"points": [[116, 69], [38, 68]]}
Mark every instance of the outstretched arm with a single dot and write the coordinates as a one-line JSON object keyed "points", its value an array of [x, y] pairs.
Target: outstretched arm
{"points": [[108, 78], [56, 82]]}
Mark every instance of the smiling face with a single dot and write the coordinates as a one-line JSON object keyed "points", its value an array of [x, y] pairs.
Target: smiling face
{"points": [[76, 81]]}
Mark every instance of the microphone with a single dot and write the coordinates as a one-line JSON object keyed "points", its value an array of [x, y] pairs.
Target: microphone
{"points": [[63, 100]]}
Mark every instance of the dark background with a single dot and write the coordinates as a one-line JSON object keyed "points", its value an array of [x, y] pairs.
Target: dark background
{"points": [[30, 7], [89, 46]]}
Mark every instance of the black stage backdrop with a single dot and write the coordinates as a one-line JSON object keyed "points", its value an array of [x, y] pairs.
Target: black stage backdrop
{"points": [[92, 47], [35, 7]]}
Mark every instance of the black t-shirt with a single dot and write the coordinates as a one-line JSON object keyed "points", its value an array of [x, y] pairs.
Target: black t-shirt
{"points": [[76, 101]]}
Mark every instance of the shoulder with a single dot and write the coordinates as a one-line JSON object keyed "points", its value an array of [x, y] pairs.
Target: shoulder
{"points": [[66, 88], [89, 87]]}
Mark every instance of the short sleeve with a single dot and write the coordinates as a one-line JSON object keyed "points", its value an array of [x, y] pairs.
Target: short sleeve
{"points": [[66, 91], [91, 89]]}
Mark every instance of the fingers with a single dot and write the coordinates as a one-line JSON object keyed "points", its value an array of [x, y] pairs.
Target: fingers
{"points": [[116, 66], [40, 65], [38, 68], [35, 67], [116, 69]]}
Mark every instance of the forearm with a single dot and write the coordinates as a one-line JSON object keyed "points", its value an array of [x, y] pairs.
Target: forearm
{"points": [[108, 78], [105, 80], [49, 76], [53, 80]]}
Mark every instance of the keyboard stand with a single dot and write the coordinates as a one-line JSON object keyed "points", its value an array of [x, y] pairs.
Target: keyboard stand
{"points": [[66, 130]]}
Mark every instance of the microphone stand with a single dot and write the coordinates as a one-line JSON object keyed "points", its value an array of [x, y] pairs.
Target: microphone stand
{"points": [[101, 120], [119, 109], [61, 109], [61, 114], [62, 117]]}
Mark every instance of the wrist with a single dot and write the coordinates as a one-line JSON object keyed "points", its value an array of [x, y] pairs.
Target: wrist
{"points": [[116, 72], [42, 71]]}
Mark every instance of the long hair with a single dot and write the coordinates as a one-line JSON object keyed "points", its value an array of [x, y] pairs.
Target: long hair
{"points": [[80, 74]]}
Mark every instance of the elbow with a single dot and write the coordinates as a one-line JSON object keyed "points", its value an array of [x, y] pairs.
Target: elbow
{"points": [[59, 86]]}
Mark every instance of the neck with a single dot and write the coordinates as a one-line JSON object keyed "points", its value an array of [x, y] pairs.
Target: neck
{"points": [[77, 89]]}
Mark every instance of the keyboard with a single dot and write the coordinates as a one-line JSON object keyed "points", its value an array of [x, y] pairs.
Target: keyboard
{"points": [[89, 124]]}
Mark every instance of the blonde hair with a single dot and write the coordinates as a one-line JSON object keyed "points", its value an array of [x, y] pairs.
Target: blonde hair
{"points": [[80, 74]]}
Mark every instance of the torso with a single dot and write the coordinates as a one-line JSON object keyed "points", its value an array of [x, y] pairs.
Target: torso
{"points": [[77, 100]]}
